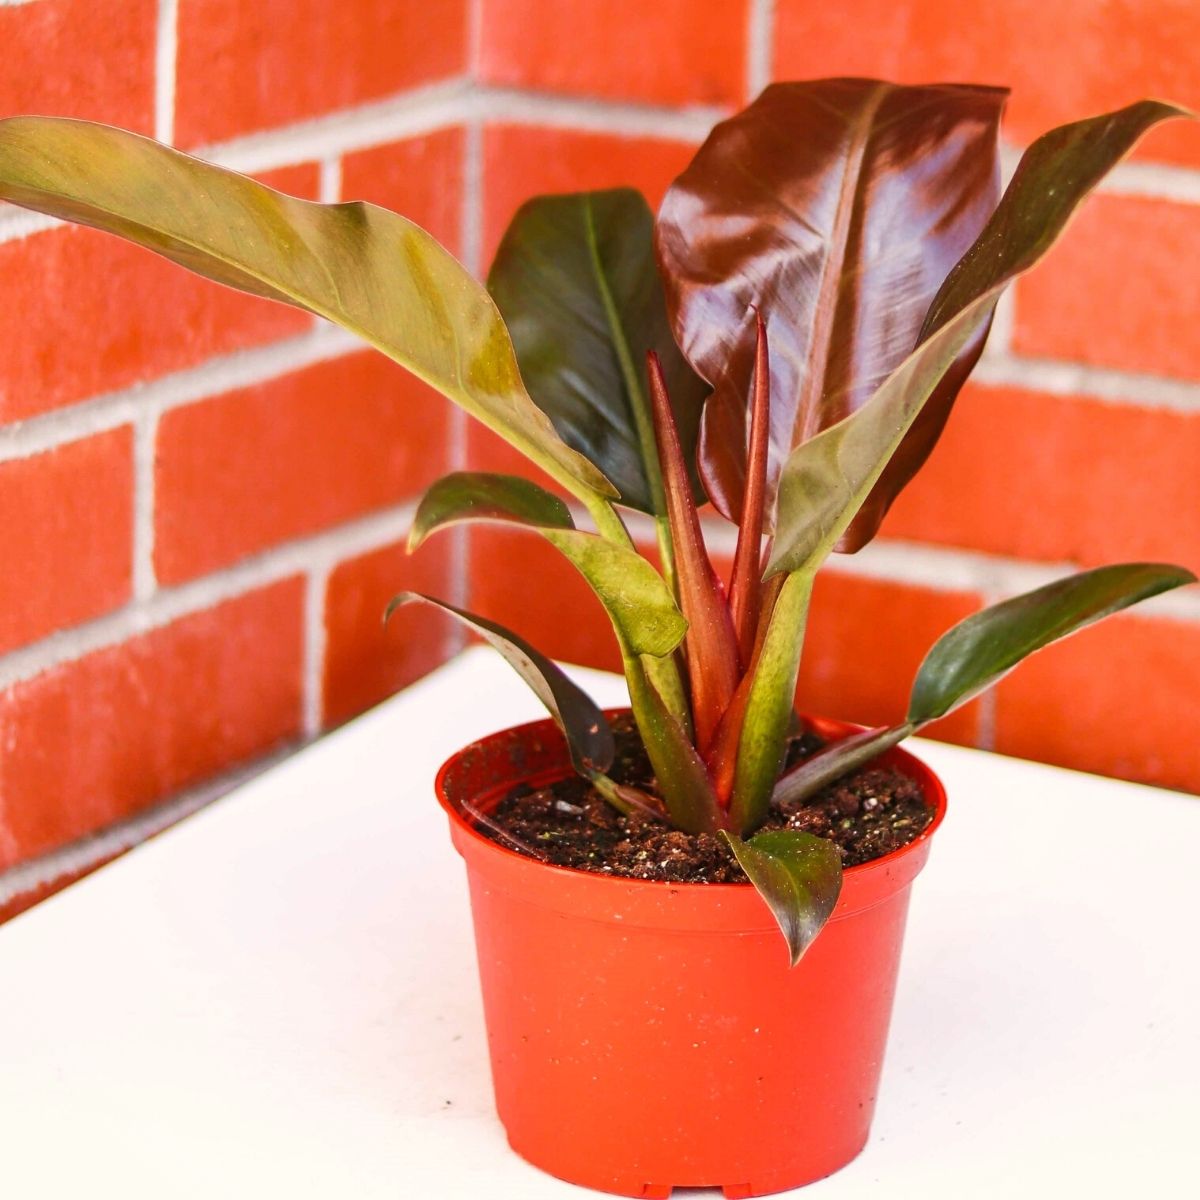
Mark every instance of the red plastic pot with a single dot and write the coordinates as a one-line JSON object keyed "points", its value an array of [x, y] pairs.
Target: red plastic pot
{"points": [[646, 1036]]}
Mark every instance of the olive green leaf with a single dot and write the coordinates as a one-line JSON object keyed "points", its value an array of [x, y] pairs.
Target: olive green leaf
{"points": [[769, 706], [576, 282], [362, 267], [634, 594], [982, 649], [589, 738], [483, 496], [826, 480], [836, 760], [681, 777], [798, 875]]}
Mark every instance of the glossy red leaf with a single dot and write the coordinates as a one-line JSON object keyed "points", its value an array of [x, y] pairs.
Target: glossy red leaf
{"points": [[836, 207], [710, 641]]}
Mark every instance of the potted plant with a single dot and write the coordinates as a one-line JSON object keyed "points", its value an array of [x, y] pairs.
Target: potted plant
{"points": [[786, 340]]}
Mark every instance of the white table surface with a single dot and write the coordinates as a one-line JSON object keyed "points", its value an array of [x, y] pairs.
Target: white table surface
{"points": [[278, 997]]}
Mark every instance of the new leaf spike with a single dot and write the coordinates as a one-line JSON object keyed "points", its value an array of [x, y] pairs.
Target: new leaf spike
{"points": [[710, 640], [745, 590]]}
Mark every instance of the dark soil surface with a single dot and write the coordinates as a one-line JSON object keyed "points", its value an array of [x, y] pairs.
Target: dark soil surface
{"points": [[867, 814]]}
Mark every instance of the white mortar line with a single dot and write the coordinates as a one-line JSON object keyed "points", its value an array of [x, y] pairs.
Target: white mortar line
{"points": [[409, 115], [999, 341], [320, 551], [17, 223], [940, 568], [985, 729], [1158, 181], [474, 37], [1094, 383], [760, 44], [145, 438], [96, 848], [165, 55], [517, 106], [212, 378], [315, 639], [329, 190]]}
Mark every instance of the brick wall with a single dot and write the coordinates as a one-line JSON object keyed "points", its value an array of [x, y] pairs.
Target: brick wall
{"points": [[205, 495]]}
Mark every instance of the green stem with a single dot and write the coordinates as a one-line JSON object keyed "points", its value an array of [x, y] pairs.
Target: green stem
{"points": [[769, 709]]}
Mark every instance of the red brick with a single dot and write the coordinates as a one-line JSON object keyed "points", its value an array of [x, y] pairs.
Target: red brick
{"points": [[669, 52], [1065, 60], [243, 67], [1118, 290], [420, 178], [95, 740], [522, 161], [84, 313], [77, 58], [1056, 478], [1117, 699], [68, 521], [520, 580], [366, 662], [865, 640], [255, 467]]}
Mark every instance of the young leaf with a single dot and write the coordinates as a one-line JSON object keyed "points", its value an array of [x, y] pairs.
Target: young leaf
{"points": [[482, 496], [711, 643], [798, 875], [981, 650], [836, 760], [362, 267], [589, 739], [682, 778], [576, 282], [745, 588], [837, 207], [636, 598], [826, 481]]}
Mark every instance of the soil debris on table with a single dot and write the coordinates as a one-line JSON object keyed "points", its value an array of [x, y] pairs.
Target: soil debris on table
{"points": [[867, 814]]}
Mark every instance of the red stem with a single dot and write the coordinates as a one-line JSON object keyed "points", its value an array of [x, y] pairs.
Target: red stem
{"points": [[712, 652], [745, 589]]}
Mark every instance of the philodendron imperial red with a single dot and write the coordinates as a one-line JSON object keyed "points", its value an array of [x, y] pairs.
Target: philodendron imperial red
{"points": [[785, 339]]}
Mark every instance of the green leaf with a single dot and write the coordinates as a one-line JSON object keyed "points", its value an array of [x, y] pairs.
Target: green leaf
{"points": [[835, 207], [576, 281], [768, 717], [826, 481], [798, 875], [483, 496], [589, 739], [362, 267], [636, 597], [979, 651], [682, 778], [639, 603], [837, 759]]}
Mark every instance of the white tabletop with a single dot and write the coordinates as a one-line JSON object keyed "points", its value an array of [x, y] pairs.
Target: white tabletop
{"points": [[278, 997]]}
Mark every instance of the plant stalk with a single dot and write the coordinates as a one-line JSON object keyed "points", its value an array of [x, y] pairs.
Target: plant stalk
{"points": [[769, 709]]}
